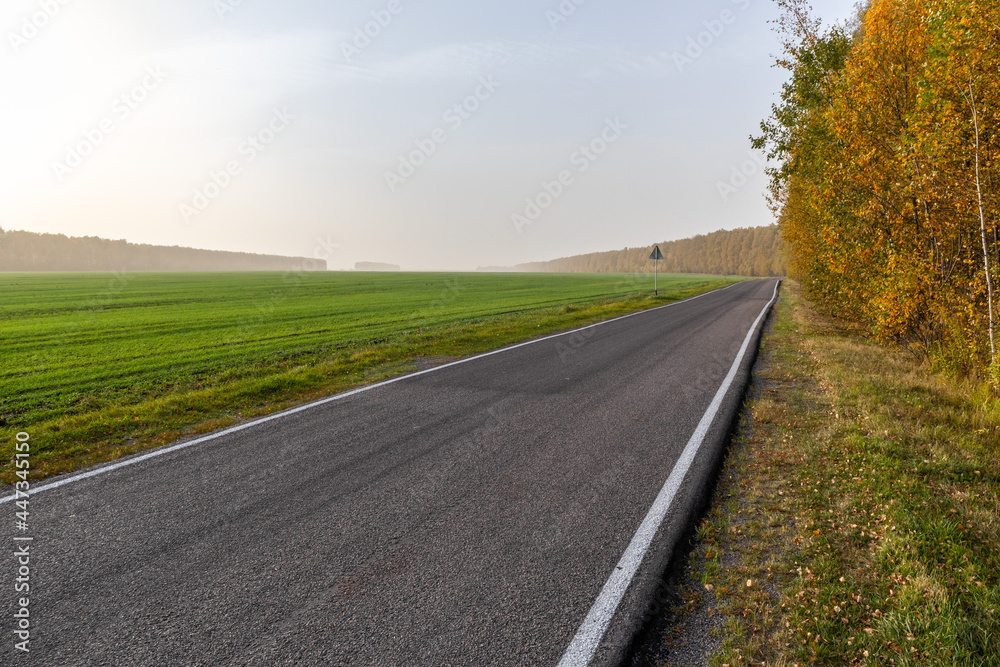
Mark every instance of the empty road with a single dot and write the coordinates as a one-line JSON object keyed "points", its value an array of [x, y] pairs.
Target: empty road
{"points": [[470, 515]]}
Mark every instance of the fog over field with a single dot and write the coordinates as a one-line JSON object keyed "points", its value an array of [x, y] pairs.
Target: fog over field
{"points": [[442, 135]]}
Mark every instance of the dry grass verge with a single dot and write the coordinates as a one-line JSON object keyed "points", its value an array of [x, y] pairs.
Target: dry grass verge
{"points": [[857, 518]]}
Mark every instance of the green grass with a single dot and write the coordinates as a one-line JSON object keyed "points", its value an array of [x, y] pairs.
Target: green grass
{"points": [[862, 503], [96, 366]]}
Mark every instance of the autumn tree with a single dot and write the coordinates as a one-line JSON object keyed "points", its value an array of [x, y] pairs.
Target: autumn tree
{"points": [[886, 134]]}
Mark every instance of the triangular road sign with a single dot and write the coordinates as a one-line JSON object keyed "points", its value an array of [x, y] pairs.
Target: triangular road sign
{"points": [[656, 254]]}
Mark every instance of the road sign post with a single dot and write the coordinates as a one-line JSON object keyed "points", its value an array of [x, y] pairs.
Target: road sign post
{"points": [[656, 255]]}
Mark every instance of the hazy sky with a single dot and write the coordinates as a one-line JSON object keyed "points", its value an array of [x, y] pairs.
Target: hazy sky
{"points": [[433, 134]]}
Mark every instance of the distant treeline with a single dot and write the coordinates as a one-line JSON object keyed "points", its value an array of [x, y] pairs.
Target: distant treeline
{"points": [[28, 251], [375, 266], [754, 251]]}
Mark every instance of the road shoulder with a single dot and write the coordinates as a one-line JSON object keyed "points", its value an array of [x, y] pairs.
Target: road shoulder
{"points": [[855, 518]]}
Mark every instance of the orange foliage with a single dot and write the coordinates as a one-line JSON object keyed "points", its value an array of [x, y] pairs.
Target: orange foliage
{"points": [[880, 206]]}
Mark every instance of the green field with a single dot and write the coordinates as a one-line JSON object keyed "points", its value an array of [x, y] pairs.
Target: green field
{"points": [[96, 366]]}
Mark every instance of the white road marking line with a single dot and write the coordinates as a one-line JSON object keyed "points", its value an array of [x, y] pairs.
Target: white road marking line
{"points": [[588, 637], [329, 399]]}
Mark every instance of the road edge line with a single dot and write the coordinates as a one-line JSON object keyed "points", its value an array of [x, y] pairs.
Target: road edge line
{"points": [[591, 632]]}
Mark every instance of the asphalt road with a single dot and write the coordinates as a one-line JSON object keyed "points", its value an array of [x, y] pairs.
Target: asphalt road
{"points": [[466, 516]]}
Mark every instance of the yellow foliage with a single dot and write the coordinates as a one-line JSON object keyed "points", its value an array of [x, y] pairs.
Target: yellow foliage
{"points": [[880, 208]]}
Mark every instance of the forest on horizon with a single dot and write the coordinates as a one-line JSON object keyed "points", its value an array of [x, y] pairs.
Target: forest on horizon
{"points": [[754, 251], [30, 251], [751, 251]]}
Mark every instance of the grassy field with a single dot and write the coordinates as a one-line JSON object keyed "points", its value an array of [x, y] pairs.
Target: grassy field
{"points": [[857, 519], [96, 366]]}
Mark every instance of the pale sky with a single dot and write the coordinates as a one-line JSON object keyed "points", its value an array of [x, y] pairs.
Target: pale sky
{"points": [[452, 135]]}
